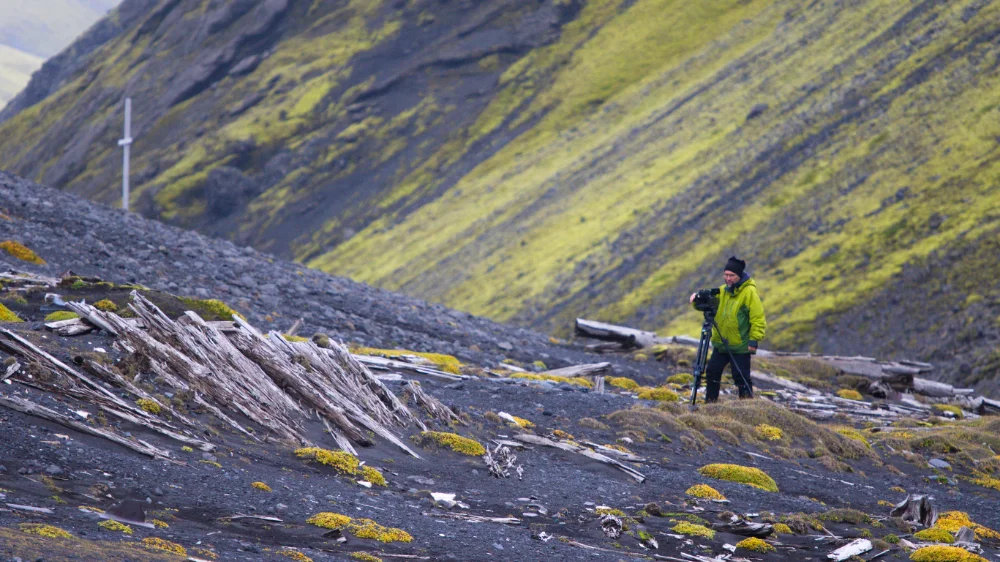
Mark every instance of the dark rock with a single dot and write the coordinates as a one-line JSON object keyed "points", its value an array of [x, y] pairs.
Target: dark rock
{"points": [[227, 188], [757, 110]]}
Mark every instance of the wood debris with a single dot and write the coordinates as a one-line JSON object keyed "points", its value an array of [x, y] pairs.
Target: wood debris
{"points": [[580, 449], [854, 548]]}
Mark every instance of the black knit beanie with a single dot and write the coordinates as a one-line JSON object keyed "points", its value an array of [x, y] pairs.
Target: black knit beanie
{"points": [[736, 266]]}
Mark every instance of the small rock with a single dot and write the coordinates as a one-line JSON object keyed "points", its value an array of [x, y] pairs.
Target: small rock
{"points": [[421, 480], [938, 463], [506, 346], [53, 470], [157, 491], [209, 457]]}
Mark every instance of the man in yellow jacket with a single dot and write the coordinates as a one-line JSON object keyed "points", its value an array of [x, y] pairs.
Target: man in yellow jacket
{"points": [[740, 324]]}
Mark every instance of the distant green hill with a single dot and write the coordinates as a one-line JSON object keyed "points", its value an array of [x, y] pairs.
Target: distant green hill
{"points": [[15, 71], [31, 31], [536, 161]]}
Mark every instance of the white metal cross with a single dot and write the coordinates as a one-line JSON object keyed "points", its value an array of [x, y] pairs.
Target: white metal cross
{"points": [[125, 143]]}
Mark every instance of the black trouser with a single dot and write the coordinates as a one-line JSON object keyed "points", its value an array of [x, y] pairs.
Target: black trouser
{"points": [[713, 374]]}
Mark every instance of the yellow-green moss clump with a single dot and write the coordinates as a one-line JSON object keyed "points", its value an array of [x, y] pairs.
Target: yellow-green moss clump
{"points": [[604, 510], [854, 435], [756, 545], [953, 521], [148, 405], [60, 315], [329, 520], [154, 543], [693, 530], [365, 557], [768, 432], [850, 394], [106, 306], [661, 394], [159, 524], [954, 410], [564, 435], [21, 252], [704, 492], [45, 531], [7, 316], [446, 363], [361, 528], [681, 379], [944, 554], [110, 525], [782, 529], [455, 442], [295, 555], [372, 475], [935, 534], [342, 462], [987, 481], [521, 422], [622, 382], [294, 339], [260, 486], [740, 474], [578, 381], [212, 307]]}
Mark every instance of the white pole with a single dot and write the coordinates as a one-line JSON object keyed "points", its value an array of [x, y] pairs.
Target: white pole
{"points": [[126, 143]]}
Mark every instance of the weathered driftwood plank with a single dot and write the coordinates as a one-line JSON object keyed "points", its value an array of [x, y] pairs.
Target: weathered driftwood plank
{"points": [[32, 409], [629, 337], [589, 453], [854, 548], [587, 370], [384, 362]]}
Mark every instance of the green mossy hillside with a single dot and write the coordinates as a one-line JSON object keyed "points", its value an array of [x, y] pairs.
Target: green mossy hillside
{"points": [[603, 167]]}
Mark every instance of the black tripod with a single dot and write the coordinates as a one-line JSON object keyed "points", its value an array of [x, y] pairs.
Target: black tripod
{"points": [[701, 360]]}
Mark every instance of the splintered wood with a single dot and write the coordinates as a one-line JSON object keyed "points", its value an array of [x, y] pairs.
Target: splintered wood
{"points": [[273, 382]]}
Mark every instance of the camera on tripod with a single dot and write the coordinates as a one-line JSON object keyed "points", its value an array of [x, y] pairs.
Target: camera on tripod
{"points": [[706, 300]]}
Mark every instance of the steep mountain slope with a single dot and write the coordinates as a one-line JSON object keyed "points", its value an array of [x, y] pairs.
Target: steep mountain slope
{"points": [[30, 32], [535, 161]]}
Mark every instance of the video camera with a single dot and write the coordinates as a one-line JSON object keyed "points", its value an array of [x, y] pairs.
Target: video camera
{"points": [[706, 300]]}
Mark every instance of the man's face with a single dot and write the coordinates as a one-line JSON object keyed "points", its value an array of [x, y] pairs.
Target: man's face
{"points": [[730, 277]]}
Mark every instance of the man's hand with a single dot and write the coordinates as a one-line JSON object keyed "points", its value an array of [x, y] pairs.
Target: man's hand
{"points": [[693, 295], [752, 349]]}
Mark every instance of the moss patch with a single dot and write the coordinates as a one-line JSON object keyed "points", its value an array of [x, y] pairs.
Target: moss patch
{"points": [[755, 545], [49, 531], [156, 543], [260, 486], [661, 394], [361, 528], [705, 492], [850, 394], [7, 316], [693, 529], [60, 315], [20, 251], [622, 382], [944, 554], [577, 381], [742, 474], [211, 309], [453, 441], [935, 534]]}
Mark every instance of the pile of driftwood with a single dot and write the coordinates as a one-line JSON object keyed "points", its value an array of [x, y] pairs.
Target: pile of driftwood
{"points": [[276, 383], [889, 379]]}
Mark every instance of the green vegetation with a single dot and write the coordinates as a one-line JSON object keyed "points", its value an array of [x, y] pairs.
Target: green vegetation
{"points": [[44, 530], [211, 309], [453, 441], [944, 554], [742, 474], [622, 382], [106, 306], [693, 529], [705, 492], [343, 462], [361, 528], [755, 545], [6, 315], [850, 394], [20, 251], [935, 534], [661, 394], [60, 315]]}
